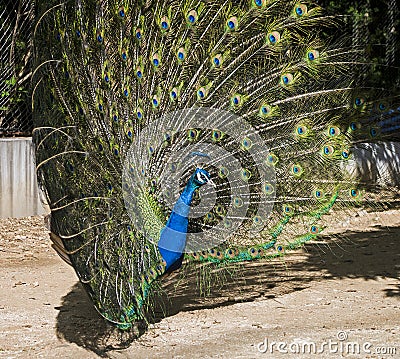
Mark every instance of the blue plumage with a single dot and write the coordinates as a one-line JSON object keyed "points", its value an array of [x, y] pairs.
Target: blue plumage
{"points": [[173, 236]]}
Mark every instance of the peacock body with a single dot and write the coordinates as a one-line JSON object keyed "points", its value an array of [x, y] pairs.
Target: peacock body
{"points": [[190, 131]]}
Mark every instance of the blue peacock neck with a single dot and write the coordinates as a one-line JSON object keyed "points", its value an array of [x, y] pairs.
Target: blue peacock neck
{"points": [[173, 236]]}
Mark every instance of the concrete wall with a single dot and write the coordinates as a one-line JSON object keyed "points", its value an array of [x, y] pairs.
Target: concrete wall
{"points": [[18, 188]]}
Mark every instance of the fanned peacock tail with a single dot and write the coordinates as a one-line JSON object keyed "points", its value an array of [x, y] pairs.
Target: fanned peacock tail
{"points": [[131, 97]]}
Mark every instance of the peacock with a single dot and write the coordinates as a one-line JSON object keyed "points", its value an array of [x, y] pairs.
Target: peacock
{"points": [[170, 133]]}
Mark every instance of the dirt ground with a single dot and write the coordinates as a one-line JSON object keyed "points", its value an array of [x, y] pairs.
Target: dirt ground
{"points": [[342, 296]]}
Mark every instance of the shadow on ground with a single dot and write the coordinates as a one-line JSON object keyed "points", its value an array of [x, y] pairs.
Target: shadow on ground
{"points": [[367, 255]]}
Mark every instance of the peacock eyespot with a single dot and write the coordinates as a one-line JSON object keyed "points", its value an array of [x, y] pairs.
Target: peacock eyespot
{"points": [[209, 216], [257, 220], [219, 209], [288, 209], [232, 23], [164, 23], [138, 34], [300, 10], [268, 188], [139, 74], [155, 102], [272, 39], [296, 170], [216, 135], [287, 79], [280, 248], [115, 118], [247, 143], [192, 17], [328, 150], [217, 62], [353, 126], [139, 115], [192, 134], [359, 101], [314, 229], [173, 95], [265, 109], [373, 132], [223, 172], [345, 154], [124, 55], [271, 160], [258, 3], [318, 194], [200, 94], [354, 193], [236, 100], [106, 78], [121, 12], [238, 202], [181, 54], [156, 62], [382, 106], [126, 92], [78, 33]]}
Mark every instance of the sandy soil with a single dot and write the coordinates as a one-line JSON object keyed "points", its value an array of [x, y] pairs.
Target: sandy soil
{"points": [[345, 293]]}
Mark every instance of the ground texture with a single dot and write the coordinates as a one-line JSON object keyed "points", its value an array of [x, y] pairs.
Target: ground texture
{"points": [[333, 299]]}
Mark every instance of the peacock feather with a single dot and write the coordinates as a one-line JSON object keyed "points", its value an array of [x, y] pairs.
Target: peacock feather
{"points": [[194, 131]]}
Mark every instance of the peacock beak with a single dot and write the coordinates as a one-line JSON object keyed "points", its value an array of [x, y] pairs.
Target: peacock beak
{"points": [[210, 181]]}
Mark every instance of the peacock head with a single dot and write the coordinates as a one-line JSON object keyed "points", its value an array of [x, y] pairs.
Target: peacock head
{"points": [[200, 177]]}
